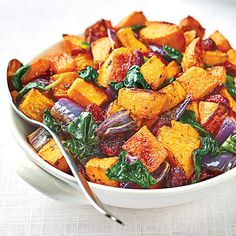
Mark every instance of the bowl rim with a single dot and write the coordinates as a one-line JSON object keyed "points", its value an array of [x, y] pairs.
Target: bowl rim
{"points": [[68, 178]]}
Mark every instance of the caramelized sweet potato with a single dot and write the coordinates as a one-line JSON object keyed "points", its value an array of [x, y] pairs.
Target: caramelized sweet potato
{"points": [[160, 33], [181, 140], [61, 63], [135, 18], [96, 169], [217, 72], [174, 94], [128, 39], [190, 36], [154, 72], [221, 42], [212, 116], [61, 89], [51, 153], [232, 56], [101, 49], [85, 93], [141, 103], [34, 104], [232, 102], [97, 30], [113, 108], [73, 44], [116, 66], [198, 82], [193, 55], [214, 58], [37, 69], [172, 69], [146, 147], [82, 60], [190, 23]]}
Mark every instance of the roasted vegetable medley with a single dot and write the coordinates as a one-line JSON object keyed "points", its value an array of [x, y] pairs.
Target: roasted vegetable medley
{"points": [[143, 104]]}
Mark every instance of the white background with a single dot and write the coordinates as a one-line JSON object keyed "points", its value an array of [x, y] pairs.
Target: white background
{"points": [[28, 27]]}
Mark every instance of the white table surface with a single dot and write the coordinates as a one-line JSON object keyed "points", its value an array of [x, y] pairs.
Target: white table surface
{"points": [[26, 28]]}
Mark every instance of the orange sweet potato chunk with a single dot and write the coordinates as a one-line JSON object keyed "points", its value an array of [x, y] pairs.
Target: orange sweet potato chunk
{"points": [[135, 18], [189, 36], [146, 147], [67, 79], [221, 42], [96, 169], [190, 23], [85, 93], [160, 33], [232, 102], [83, 60], [34, 103], [232, 56], [193, 55], [172, 69], [51, 153], [214, 57]]}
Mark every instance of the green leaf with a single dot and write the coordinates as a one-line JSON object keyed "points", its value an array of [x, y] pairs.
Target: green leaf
{"points": [[173, 53], [17, 77], [167, 82], [134, 172], [83, 135], [136, 28], [89, 74], [230, 85], [51, 122], [133, 79], [229, 144], [145, 59], [85, 45]]}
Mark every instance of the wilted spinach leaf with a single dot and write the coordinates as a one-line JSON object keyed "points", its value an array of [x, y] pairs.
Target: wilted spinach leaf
{"points": [[89, 74], [229, 144], [83, 135], [136, 28], [230, 85], [51, 122], [17, 77], [173, 53], [133, 79], [134, 172]]}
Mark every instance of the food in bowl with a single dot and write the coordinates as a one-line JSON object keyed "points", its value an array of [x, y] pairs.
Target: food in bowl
{"points": [[143, 104]]}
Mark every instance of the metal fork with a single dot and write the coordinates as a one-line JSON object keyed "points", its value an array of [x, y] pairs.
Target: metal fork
{"points": [[82, 182]]}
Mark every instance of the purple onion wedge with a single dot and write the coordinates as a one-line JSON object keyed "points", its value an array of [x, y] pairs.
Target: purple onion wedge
{"points": [[221, 163], [227, 128], [38, 138], [161, 172], [66, 110], [117, 123]]}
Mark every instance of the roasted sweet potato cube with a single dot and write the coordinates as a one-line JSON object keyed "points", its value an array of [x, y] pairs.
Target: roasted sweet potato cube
{"points": [[37, 69], [96, 169], [83, 60], [212, 116], [101, 49], [74, 44], [116, 66], [190, 23], [113, 108], [135, 18], [217, 72], [61, 63], [67, 78], [141, 103], [128, 39], [214, 58], [149, 122], [232, 56], [232, 102], [160, 33], [154, 72], [174, 94], [190, 36], [193, 55], [197, 82], [221, 42], [172, 69], [181, 140], [194, 106], [85, 93], [146, 147], [51, 153], [97, 30], [34, 103]]}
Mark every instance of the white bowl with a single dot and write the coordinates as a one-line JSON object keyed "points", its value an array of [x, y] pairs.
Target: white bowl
{"points": [[127, 198]]}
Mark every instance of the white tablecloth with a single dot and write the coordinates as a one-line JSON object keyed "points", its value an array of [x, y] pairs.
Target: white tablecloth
{"points": [[26, 28]]}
